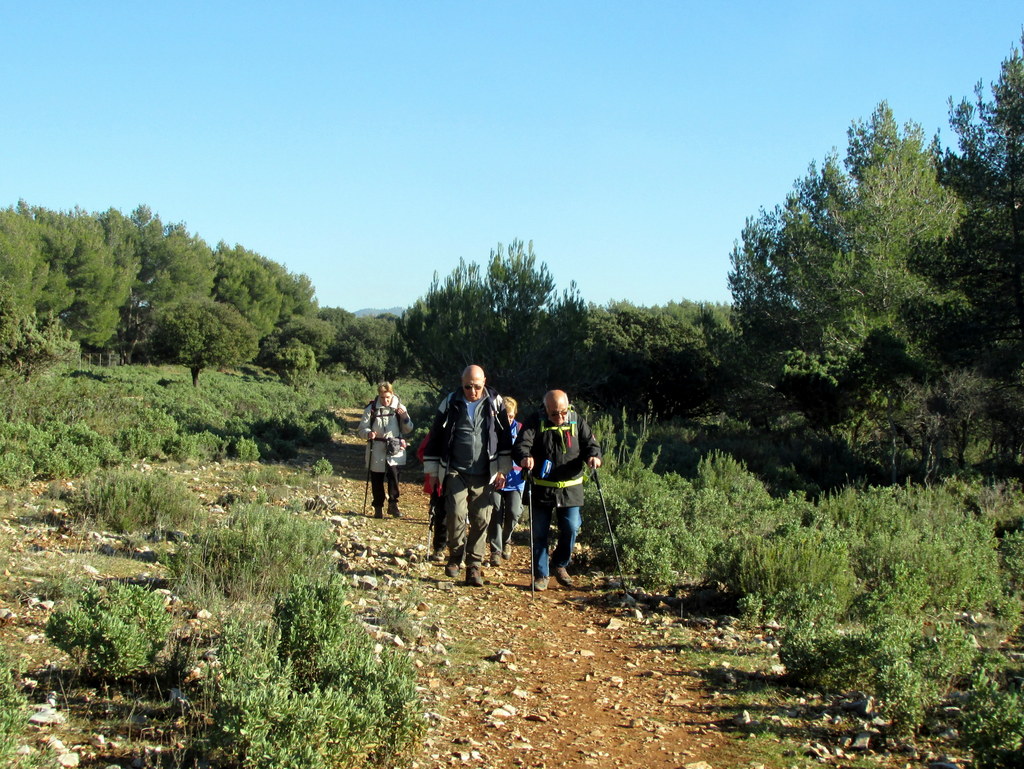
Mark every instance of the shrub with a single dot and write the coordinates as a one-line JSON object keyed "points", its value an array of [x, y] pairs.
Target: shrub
{"points": [[246, 449], [252, 556], [129, 501], [12, 711], [993, 725], [115, 632], [908, 664], [147, 437], [1011, 552], [311, 690], [796, 573]]}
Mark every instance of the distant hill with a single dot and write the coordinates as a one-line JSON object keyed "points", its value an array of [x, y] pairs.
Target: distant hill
{"points": [[371, 312]]}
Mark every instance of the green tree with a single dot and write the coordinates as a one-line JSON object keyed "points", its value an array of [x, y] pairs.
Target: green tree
{"points": [[978, 308], [815, 279], [657, 360], [22, 264], [364, 345], [173, 266], [509, 319], [98, 278], [294, 362], [199, 333], [29, 346], [246, 281]]}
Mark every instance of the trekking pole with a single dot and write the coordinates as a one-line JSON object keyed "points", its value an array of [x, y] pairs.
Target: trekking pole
{"points": [[369, 457], [529, 504], [611, 535]]}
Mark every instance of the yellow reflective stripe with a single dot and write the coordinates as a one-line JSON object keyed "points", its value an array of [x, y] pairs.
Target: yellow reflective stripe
{"points": [[558, 484]]}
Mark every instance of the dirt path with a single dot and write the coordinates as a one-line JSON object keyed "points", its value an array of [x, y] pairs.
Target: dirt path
{"points": [[564, 678]]}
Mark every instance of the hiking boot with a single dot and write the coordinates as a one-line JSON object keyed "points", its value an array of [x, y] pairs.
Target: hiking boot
{"points": [[495, 559], [506, 552], [474, 576], [393, 508], [452, 570], [437, 556], [563, 577], [540, 583], [378, 511]]}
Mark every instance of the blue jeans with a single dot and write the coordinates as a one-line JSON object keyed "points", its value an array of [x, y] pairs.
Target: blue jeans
{"points": [[569, 520]]}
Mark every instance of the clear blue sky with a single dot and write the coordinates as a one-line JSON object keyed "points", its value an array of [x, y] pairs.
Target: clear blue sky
{"points": [[370, 144]]}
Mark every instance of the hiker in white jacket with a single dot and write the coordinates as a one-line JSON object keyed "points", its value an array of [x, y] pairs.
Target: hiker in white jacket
{"points": [[384, 422]]}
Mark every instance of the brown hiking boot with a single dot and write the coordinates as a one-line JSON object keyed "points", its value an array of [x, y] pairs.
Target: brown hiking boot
{"points": [[540, 583], [437, 556], [563, 577], [495, 559], [475, 576], [452, 570]]}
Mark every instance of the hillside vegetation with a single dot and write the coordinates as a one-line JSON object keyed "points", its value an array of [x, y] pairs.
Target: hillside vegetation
{"points": [[833, 460]]}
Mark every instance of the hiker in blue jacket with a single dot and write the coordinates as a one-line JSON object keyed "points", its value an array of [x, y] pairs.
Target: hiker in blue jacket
{"points": [[508, 503]]}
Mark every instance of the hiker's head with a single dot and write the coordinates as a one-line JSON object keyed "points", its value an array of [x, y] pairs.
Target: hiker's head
{"points": [[511, 406], [556, 405], [473, 381], [385, 392]]}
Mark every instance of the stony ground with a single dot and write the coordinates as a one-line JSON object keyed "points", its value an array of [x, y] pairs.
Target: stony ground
{"points": [[584, 677], [566, 677]]}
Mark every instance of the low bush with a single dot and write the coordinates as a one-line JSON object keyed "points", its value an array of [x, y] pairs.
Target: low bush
{"points": [[993, 724], [128, 501], [13, 715], [253, 556], [907, 660], [114, 631], [245, 449], [310, 689]]}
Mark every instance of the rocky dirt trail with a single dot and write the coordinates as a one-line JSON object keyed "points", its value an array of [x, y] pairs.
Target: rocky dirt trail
{"points": [[565, 678]]}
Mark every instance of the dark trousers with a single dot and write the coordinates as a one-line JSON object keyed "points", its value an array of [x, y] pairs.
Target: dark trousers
{"points": [[377, 485]]}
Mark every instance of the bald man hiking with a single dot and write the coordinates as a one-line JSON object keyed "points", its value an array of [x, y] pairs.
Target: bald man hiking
{"points": [[555, 445], [469, 453]]}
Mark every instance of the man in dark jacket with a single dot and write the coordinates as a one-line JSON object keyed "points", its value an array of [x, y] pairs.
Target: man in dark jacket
{"points": [[559, 435], [469, 452]]}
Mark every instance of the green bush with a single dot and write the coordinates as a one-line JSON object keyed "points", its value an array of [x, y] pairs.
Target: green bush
{"points": [[130, 501], [909, 665], [311, 690], [13, 716], [796, 573], [246, 449], [1011, 553], [148, 437], [993, 725], [114, 632], [253, 556]]}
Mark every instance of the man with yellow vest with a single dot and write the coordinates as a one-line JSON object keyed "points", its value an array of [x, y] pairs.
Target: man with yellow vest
{"points": [[555, 445]]}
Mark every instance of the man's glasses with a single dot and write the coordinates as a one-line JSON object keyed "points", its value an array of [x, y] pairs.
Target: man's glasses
{"points": [[562, 414], [472, 387]]}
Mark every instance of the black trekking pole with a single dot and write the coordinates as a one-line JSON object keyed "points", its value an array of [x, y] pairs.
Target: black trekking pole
{"points": [[611, 535], [529, 504], [369, 459]]}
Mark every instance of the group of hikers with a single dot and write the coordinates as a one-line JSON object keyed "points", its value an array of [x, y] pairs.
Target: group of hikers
{"points": [[477, 461]]}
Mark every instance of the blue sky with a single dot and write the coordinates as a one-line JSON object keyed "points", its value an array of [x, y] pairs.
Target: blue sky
{"points": [[370, 145]]}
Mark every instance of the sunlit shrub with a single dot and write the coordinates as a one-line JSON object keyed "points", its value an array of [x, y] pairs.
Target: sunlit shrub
{"points": [[311, 690], [131, 501], [114, 631], [253, 556]]}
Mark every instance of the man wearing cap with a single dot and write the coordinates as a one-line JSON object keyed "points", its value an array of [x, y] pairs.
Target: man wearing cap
{"points": [[469, 452], [556, 446]]}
